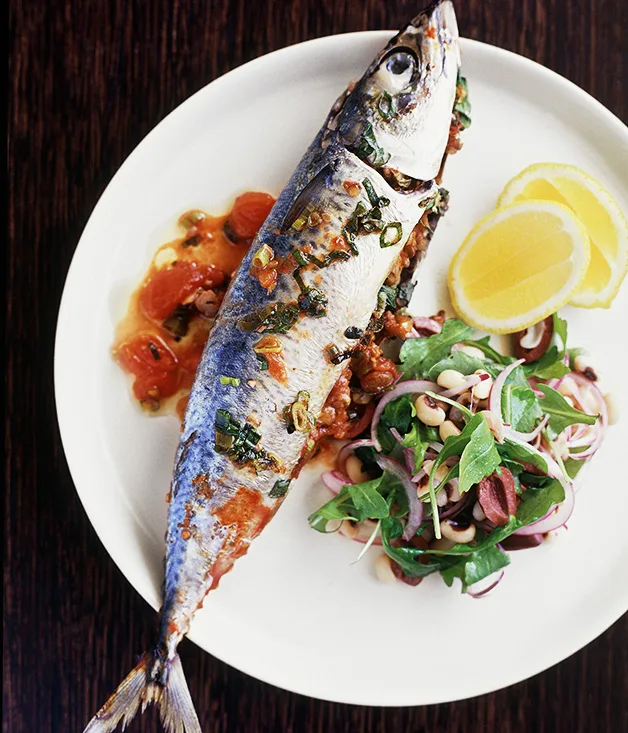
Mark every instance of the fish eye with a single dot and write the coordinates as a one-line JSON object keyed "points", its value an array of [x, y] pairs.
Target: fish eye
{"points": [[400, 63], [397, 70]]}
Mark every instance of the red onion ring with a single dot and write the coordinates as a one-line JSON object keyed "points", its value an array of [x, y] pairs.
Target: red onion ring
{"points": [[427, 324], [414, 386], [488, 589], [526, 437], [555, 518], [334, 480], [349, 448], [455, 391], [495, 396], [408, 456], [415, 506]]}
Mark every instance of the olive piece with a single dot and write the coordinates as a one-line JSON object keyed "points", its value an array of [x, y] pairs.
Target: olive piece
{"points": [[532, 343]]}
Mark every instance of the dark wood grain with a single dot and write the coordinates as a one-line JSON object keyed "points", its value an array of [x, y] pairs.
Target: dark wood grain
{"points": [[87, 81]]}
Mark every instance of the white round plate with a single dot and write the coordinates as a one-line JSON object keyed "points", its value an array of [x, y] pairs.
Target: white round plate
{"points": [[297, 612]]}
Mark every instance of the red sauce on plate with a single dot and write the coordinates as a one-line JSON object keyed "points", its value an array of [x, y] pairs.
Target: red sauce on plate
{"points": [[160, 340]]}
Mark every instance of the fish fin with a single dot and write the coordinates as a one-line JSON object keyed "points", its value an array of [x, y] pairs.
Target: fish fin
{"points": [[176, 709], [311, 192]]}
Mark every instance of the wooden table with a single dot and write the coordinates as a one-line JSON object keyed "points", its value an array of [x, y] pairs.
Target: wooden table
{"points": [[87, 81]]}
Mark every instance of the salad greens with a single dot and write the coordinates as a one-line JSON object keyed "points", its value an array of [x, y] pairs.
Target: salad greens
{"points": [[532, 415]]}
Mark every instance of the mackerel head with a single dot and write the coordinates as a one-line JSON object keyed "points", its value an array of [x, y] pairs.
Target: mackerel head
{"points": [[337, 231]]}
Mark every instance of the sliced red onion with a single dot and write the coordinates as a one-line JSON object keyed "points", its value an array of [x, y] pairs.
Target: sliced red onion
{"points": [[457, 507], [488, 589], [396, 435], [471, 382], [334, 480], [427, 324], [555, 518], [436, 447], [414, 386], [349, 448], [599, 397], [525, 437], [418, 476], [495, 396], [415, 506], [408, 456]]}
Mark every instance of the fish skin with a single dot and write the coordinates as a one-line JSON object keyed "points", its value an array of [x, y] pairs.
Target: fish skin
{"points": [[194, 564], [217, 507]]}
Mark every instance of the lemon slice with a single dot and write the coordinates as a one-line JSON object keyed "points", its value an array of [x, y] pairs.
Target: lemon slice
{"points": [[519, 264], [598, 211]]}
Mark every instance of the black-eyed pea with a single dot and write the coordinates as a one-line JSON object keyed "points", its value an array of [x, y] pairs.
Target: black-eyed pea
{"points": [[482, 390], [451, 379], [478, 512], [349, 529], [612, 408], [447, 429], [460, 533], [353, 469], [428, 411], [383, 569]]}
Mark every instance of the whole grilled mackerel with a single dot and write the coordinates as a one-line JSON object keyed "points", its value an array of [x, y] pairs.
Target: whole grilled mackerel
{"points": [[277, 348]]}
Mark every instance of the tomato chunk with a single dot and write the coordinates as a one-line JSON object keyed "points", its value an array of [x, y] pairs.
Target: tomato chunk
{"points": [[153, 365], [249, 213], [171, 286]]}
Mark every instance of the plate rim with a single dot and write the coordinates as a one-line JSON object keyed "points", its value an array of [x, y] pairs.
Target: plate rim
{"points": [[90, 503]]}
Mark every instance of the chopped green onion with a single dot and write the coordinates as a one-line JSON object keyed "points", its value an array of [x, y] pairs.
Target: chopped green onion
{"points": [[391, 234], [279, 489], [233, 381], [263, 256]]}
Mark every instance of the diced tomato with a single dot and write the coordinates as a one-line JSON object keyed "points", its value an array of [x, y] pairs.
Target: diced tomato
{"points": [[277, 368], [249, 213], [152, 363], [174, 285]]}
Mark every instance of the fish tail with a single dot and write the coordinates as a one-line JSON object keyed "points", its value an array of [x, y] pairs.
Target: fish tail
{"points": [[154, 680]]}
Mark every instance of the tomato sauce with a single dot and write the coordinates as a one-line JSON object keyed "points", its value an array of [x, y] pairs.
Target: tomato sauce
{"points": [[160, 340]]}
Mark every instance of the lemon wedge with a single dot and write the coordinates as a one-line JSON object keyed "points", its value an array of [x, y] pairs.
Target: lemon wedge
{"points": [[518, 265], [599, 212]]}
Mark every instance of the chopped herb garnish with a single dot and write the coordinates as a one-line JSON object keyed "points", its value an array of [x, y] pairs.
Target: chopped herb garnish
{"points": [[462, 107], [178, 321], [386, 106], [279, 489], [354, 333], [232, 381], [336, 356], [391, 234], [300, 257], [369, 150], [154, 351], [263, 256], [313, 302], [239, 442], [262, 362], [297, 416], [272, 318]]}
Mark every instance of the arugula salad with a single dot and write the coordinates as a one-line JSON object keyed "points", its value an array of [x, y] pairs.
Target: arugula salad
{"points": [[469, 455]]}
